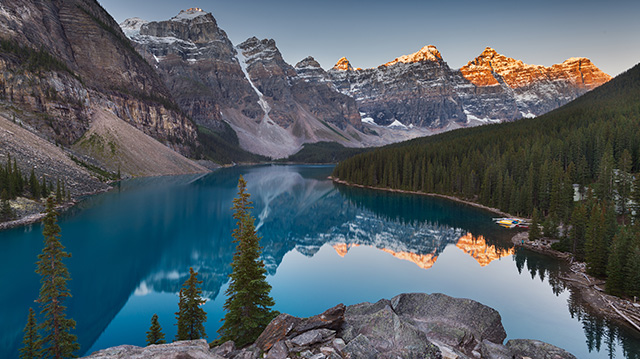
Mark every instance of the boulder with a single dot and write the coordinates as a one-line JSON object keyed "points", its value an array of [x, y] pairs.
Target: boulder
{"points": [[523, 348], [225, 349], [455, 321], [277, 330], [278, 351], [285, 326], [192, 349], [384, 331]]}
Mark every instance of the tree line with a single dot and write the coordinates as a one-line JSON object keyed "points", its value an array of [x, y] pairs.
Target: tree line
{"points": [[589, 148], [14, 184]]}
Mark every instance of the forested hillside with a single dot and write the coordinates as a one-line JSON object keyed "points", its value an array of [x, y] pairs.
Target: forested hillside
{"points": [[532, 164]]}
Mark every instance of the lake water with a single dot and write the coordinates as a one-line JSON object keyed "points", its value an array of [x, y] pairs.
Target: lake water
{"points": [[323, 244]]}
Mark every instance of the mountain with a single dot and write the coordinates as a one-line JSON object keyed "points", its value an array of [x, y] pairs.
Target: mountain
{"points": [[525, 165], [66, 62], [421, 90], [250, 87]]}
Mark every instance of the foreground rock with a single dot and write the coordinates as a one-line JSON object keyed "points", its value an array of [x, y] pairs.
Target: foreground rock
{"points": [[413, 325]]}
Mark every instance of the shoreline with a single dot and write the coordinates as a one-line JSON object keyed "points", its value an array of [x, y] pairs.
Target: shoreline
{"points": [[32, 218], [590, 289], [451, 198]]}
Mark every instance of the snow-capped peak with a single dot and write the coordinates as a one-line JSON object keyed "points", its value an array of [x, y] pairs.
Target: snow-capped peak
{"points": [[132, 26], [427, 53], [189, 14]]}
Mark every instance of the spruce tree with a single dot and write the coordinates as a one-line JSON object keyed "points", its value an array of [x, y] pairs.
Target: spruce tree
{"points": [[31, 340], [58, 192], [58, 341], [155, 334], [617, 263], [534, 228], [190, 316], [34, 186], [6, 212], [632, 272], [248, 304]]}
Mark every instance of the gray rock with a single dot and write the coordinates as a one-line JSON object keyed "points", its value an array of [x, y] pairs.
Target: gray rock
{"points": [[192, 349], [306, 354], [278, 351], [385, 331], [492, 350], [225, 349], [251, 352], [361, 348], [318, 356], [455, 321], [338, 344], [309, 338], [536, 349]]}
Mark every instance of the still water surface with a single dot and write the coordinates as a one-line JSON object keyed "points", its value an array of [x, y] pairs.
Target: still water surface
{"points": [[323, 244]]}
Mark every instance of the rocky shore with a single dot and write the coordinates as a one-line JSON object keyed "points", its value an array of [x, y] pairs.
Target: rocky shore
{"points": [[415, 325], [591, 289]]}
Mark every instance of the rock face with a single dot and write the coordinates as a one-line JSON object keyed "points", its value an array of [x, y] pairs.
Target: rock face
{"points": [[421, 90], [85, 63], [408, 326], [272, 108]]}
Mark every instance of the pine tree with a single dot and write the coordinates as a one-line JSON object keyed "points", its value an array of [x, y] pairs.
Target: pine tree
{"points": [[534, 228], [6, 212], [59, 342], [248, 303], [155, 334], [31, 341], [632, 272], [58, 192], [34, 186], [617, 263], [190, 316]]}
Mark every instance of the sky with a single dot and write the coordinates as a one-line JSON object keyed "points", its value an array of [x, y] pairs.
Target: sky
{"points": [[370, 33]]}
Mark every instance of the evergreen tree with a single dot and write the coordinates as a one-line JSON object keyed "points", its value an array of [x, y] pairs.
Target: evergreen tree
{"points": [[155, 334], [31, 341], [58, 192], [34, 186], [59, 342], [550, 227], [617, 264], [534, 228], [43, 188], [632, 272], [248, 303], [190, 316], [6, 212]]}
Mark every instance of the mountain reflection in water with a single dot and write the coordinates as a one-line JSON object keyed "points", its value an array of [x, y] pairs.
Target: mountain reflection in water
{"points": [[322, 244]]}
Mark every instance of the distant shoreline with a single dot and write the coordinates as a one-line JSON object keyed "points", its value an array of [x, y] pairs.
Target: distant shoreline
{"points": [[451, 198]]}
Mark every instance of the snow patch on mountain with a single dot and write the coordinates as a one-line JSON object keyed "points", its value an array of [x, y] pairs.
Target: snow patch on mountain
{"points": [[188, 15], [242, 60]]}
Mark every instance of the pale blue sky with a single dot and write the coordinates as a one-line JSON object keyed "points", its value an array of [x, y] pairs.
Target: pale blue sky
{"points": [[373, 32]]}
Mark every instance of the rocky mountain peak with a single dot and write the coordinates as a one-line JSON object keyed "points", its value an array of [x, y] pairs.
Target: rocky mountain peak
{"points": [[490, 68], [264, 49], [131, 26], [427, 53], [343, 65], [308, 61], [189, 14]]}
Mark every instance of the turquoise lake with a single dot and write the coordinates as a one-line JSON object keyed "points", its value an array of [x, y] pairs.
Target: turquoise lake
{"points": [[323, 243]]}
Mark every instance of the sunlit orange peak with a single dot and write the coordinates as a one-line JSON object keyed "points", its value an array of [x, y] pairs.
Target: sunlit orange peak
{"points": [[427, 53], [424, 261], [480, 251], [343, 65], [343, 248]]}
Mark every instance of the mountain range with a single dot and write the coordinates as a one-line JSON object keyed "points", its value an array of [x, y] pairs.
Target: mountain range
{"points": [[99, 91]]}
